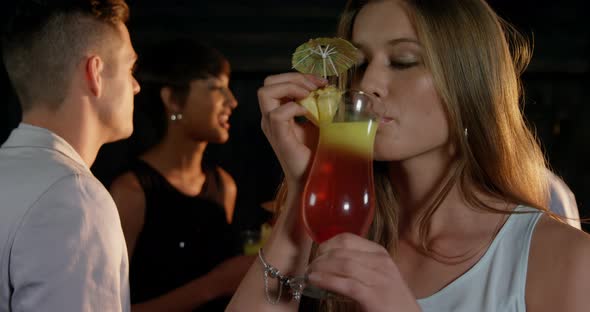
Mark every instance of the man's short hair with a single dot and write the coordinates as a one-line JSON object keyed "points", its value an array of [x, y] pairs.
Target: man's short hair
{"points": [[47, 39]]}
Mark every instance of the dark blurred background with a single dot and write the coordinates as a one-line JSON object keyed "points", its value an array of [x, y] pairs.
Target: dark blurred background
{"points": [[258, 37]]}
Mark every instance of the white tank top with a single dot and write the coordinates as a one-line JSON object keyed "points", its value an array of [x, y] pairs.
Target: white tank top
{"points": [[497, 281]]}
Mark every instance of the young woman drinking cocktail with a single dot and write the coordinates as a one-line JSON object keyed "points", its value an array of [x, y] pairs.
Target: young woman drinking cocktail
{"points": [[461, 220]]}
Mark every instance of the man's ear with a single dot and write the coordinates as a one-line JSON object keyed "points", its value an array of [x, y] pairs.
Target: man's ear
{"points": [[94, 70], [169, 101]]}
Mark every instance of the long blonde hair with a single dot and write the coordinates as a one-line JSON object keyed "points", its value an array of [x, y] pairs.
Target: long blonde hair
{"points": [[476, 59]]}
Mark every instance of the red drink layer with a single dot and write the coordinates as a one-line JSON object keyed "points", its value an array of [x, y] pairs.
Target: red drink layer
{"points": [[338, 196]]}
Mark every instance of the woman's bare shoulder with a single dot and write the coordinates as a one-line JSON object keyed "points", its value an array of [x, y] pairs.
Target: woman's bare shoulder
{"points": [[127, 180], [558, 278], [551, 234], [127, 191], [227, 197], [226, 177]]}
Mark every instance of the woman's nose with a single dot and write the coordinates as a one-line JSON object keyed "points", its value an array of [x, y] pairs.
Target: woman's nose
{"points": [[374, 81], [231, 99]]}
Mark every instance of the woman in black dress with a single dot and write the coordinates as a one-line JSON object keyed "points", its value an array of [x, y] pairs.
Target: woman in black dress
{"points": [[176, 211]]}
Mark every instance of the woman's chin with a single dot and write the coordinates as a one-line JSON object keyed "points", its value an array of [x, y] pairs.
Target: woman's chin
{"points": [[221, 138]]}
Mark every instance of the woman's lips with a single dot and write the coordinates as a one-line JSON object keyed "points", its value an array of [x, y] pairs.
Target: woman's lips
{"points": [[224, 121], [385, 120]]}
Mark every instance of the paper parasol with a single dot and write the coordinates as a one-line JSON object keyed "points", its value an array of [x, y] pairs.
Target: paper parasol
{"points": [[325, 57]]}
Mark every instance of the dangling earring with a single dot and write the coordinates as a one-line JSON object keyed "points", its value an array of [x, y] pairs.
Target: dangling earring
{"points": [[466, 132], [175, 117]]}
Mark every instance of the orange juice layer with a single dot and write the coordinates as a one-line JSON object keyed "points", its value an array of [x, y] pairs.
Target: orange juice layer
{"points": [[354, 137]]}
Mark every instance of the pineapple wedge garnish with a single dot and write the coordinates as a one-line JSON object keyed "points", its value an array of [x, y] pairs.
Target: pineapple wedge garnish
{"points": [[322, 104]]}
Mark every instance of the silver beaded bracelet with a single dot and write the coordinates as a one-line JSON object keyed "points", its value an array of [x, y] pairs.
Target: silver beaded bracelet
{"points": [[295, 284]]}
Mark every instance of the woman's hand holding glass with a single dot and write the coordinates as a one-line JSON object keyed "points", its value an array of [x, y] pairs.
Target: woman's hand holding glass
{"points": [[363, 271]]}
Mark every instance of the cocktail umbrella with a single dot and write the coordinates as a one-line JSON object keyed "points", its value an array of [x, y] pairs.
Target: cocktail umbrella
{"points": [[325, 57]]}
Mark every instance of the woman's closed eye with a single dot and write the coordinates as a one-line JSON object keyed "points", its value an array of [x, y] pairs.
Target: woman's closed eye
{"points": [[221, 89], [403, 64], [400, 63], [217, 87]]}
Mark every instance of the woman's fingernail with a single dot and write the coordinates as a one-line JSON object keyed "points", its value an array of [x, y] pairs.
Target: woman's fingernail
{"points": [[321, 80]]}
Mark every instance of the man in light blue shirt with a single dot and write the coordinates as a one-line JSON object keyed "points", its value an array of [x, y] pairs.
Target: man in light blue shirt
{"points": [[61, 243]]}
